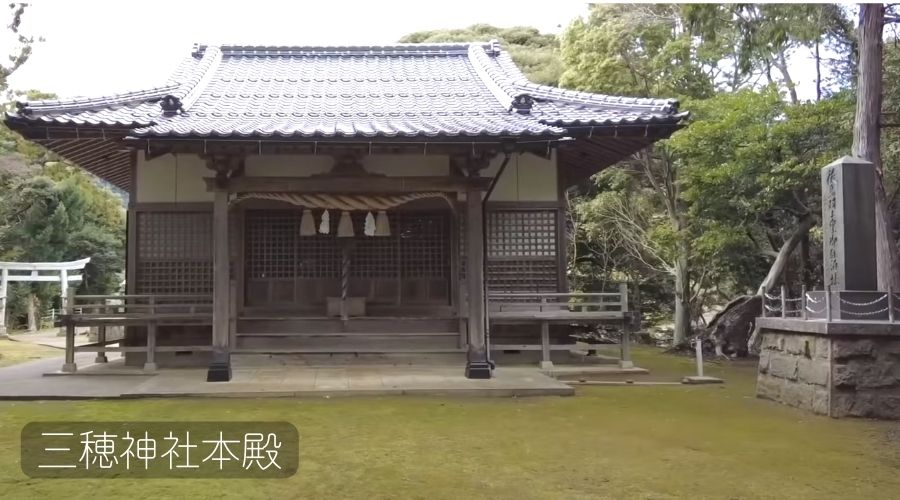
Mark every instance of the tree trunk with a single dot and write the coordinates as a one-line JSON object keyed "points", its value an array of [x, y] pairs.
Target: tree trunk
{"points": [[784, 253], [682, 329], [637, 311], [806, 271], [781, 63], [732, 327], [867, 135], [818, 73], [31, 302]]}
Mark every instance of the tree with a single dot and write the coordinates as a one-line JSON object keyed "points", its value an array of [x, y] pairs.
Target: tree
{"points": [[759, 38], [61, 215], [732, 224], [645, 51], [867, 136], [752, 182], [22, 51], [536, 53]]}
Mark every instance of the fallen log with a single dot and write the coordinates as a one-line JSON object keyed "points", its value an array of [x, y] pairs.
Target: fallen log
{"points": [[730, 328]]}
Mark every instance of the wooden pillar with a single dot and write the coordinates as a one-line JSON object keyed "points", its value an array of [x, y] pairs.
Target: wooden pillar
{"points": [[220, 369], [625, 344], [63, 293], [4, 276], [101, 341], [477, 365], [69, 365], [546, 362], [150, 362]]}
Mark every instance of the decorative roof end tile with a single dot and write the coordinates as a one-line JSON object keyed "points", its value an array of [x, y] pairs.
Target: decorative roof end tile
{"points": [[522, 103], [170, 105], [494, 47]]}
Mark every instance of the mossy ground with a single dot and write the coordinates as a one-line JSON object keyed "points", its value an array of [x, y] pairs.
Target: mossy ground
{"points": [[606, 442], [12, 352]]}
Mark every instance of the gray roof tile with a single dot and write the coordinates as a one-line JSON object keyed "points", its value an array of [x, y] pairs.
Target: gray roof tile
{"points": [[406, 90]]}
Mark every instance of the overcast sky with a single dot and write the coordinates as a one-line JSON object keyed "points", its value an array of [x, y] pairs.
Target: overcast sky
{"points": [[96, 47]]}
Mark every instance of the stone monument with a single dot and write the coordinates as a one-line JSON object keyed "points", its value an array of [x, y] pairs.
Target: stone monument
{"points": [[845, 362], [848, 219]]}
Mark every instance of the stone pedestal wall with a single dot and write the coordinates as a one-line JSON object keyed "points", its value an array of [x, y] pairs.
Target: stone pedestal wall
{"points": [[837, 369], [794, 370], [865, 377]]}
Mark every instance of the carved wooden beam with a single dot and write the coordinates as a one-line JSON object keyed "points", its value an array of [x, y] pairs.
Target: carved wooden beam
{"points": [[348, 184]]}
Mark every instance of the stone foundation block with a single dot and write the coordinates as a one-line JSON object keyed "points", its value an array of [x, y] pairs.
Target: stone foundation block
{"points": [[783, 366], [813, 371], [845, 372], [845, 349]]}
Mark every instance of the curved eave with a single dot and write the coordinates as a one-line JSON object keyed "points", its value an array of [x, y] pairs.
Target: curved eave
{"points": [[361, 137], [676, 119], [36, 109], [30, 126]]}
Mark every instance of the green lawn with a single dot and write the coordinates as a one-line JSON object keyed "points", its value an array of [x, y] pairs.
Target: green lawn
{"points": [[607, 442], [13, 352]]}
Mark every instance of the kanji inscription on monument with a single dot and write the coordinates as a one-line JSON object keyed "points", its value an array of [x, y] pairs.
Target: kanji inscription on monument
{"points": [[848, 219]]}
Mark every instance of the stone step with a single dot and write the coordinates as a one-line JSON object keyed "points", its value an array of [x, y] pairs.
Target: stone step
{"points": [[349, 341], [338, 350], [348, 334], [244, 359], [289, 324]]}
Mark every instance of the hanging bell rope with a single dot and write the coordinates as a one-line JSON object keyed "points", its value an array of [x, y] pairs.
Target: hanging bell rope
{"points": [[345, 280]]}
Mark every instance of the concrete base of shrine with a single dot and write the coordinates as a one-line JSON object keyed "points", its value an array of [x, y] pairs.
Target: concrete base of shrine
{"points": [[258, 376], [835, 368]]}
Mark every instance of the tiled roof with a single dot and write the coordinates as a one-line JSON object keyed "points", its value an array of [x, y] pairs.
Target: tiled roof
{"points": [[406, 90]]}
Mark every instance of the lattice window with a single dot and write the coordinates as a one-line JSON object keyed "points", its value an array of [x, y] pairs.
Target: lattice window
{"points": [[522, 275], [424, 244], [275, 249], [522, 253], [417, 248], [174, 253], [522, 233], [522, 250]]}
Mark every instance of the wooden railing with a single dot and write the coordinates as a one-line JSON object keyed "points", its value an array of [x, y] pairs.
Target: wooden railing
{"points": [[607, 304], [141, 307], [560, 308], [150, 311]]}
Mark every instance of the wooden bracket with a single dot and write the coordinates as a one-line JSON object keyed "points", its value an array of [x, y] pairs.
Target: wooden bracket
{"points": [[473, 163], [226, 166]]}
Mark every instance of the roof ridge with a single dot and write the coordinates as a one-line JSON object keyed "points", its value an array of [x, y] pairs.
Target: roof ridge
{"points": [[499, 85], [89, 103], [289, 50], [578, 97], [522, 85], [190, 89]]}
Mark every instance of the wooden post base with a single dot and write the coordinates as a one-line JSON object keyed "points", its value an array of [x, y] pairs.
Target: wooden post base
{"points": [[478, 370], [220, 368], [69, 367], [101, 358]]}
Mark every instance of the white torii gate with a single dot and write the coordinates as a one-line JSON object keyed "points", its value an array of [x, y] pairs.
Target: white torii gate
{"points": [[35, 272]]}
